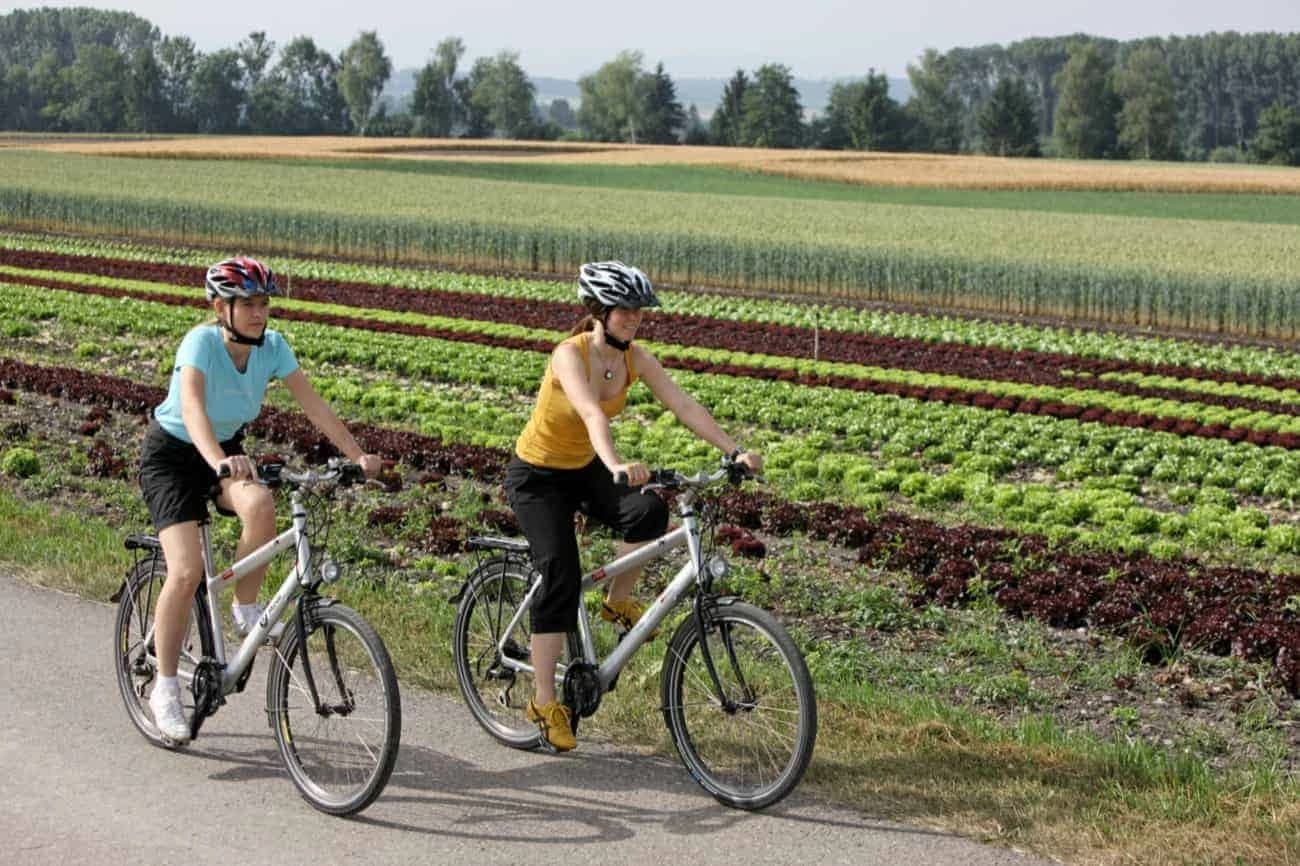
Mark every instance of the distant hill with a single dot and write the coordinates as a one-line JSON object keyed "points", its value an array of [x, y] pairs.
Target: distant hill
{"points": [[704, 93]]}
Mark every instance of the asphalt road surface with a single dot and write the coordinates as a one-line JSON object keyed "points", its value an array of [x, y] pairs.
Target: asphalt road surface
{"points": [[79, 785]]}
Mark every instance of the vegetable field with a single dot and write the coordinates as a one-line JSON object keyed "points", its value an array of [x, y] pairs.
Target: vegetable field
{"points": [[1076, 428]]}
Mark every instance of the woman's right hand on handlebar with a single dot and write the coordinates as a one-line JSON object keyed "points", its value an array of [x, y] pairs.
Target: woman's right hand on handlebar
{"points": [[238, 467], [632, 474]]}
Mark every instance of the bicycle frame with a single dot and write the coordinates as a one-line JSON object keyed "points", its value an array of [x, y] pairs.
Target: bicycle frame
{"points": [[295, 537], [688, 535]]}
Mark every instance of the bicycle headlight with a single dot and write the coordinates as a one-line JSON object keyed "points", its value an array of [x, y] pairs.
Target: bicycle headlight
{"points": [[329, 571], [718, 566]]}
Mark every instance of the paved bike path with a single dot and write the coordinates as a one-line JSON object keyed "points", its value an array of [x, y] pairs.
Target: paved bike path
{"points": [[79, 785]]}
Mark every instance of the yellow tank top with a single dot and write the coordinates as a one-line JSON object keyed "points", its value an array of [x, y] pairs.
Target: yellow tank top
{"points": [[555, 436]]}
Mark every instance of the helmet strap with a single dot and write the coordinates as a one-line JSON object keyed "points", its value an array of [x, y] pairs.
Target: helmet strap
{"points": [[237, 337], [610, 339]]}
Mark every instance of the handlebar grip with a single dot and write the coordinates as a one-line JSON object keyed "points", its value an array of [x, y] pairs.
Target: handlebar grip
{"points": [[620, 477], [352, 473]]}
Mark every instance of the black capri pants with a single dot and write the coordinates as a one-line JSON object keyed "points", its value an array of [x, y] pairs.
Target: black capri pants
{"points": [[545, 500]]}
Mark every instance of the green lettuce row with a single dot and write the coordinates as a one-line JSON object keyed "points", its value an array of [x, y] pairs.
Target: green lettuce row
{"points": [[1202, 413], [802, 466], [1072, 341]]}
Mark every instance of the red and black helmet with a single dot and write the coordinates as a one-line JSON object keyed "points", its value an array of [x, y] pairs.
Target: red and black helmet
{"points": [[240, 277]]}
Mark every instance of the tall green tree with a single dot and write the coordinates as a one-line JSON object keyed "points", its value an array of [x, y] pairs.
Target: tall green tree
{"points": [[1277, 142], [502, 94], [862, 116], [696, 132], [727, 125], [1008, 124], [562, 114], [217, 91], [1085, 115], [1148, 121], [17, 108], [664, 118], [177, 59], [255, 52], [364, 68], [773, 116], [935, 108], [310, 76], [96, 90], [146, 109], [436, 103], [613, 100]]}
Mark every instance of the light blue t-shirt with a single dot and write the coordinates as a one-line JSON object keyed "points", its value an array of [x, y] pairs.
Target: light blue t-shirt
{"points": [[233, 398]]}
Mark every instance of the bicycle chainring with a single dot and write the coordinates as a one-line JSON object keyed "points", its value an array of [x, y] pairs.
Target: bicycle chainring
{"points": [[207, 692], [582, 691]]}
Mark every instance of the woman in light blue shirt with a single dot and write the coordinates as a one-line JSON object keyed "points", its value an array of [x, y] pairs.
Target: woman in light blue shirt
{"points": [[217, 385]]}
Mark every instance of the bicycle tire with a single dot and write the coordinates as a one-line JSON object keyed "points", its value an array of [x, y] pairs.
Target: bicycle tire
{"points": [[754, 754], [496, 696], [132, 658], [330, 756]]}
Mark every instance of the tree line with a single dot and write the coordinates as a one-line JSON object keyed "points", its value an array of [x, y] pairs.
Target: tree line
{"points": [[1224, 97]]}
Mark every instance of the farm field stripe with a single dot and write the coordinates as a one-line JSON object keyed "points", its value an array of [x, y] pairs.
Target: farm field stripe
{"points": [[949, 394], [975, 362], [1196, 351], [1162, 604], [836, 430]]}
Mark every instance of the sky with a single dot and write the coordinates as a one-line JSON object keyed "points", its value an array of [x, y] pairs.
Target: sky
{"points": [[815, 38]]}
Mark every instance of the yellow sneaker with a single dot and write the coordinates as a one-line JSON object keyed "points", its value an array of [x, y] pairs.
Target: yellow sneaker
{"points": [[624, 613], [553, 721]]}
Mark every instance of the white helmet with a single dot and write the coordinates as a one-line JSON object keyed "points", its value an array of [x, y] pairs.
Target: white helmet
{"points": [[614, 284]]}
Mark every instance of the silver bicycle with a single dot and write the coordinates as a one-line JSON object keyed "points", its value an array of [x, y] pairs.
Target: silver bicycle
{"points": [[331, 694], [735, 691]]}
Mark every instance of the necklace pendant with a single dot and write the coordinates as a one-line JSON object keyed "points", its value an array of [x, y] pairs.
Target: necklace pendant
{"points": [[609, 374]]}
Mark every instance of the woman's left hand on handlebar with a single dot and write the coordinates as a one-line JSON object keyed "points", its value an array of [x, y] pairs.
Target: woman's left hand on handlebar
{"points": [[239, 467], [371, 464], [637, 473]]}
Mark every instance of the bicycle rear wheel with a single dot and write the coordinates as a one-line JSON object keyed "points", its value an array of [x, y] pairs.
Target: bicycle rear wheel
{"points": [[749, 746], [496, 694], [340, 752], [133, 647]]}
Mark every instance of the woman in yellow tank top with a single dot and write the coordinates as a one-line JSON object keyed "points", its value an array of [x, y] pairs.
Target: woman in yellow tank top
{"points": [[565, 461]]}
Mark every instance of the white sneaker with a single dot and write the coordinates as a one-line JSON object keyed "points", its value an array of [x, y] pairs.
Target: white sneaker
{"points": [[168, 714], [244, 626]]}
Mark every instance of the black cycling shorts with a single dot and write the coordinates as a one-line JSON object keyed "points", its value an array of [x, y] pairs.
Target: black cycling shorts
{"points": [[176, 481], [545, 501]]}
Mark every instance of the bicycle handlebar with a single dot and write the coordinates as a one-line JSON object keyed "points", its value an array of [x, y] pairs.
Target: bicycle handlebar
{"points": [[337, 472], [670, 479]]}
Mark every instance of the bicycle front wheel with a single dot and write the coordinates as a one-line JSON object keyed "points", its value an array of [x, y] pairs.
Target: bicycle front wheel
{"points": [[339, 749], [748, 738]]}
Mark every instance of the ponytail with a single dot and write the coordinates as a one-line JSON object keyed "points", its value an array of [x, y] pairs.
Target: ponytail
{"points": [[595, 312]]}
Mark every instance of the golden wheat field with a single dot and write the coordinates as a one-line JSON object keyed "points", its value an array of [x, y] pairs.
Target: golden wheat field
{"points": [[869, 169]]}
